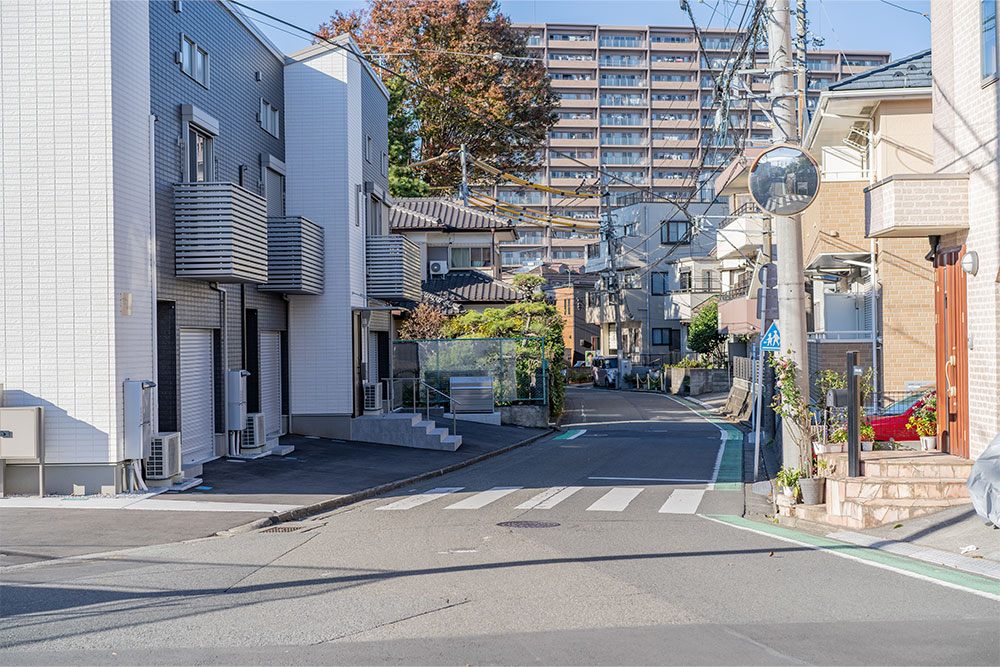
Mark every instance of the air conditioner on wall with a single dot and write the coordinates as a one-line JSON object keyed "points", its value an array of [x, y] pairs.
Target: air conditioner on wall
{"points": [[439, 267], [255, 433], [164, 460], [373, 398]]}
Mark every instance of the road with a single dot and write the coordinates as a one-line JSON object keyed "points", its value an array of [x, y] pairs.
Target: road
{"points": [[632, 554]]}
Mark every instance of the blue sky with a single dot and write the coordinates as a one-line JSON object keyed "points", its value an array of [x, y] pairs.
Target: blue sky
{"points": [[845, 24]]}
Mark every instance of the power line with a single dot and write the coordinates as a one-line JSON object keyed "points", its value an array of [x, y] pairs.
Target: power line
{"points": [[906, 9]]}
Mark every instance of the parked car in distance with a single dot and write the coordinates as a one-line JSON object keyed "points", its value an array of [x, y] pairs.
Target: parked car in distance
{"points": [[890, 421], [604, 371]]}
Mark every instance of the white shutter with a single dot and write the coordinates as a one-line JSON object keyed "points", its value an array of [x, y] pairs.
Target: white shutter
{"points": [[197, 395], [270, 381]]}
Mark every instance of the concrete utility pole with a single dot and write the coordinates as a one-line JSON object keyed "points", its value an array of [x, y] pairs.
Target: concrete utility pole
{"points": [[614, 283], [800, 65], [787, 230]]}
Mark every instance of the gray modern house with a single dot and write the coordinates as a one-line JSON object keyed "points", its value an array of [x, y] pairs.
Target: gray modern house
{"points": [[199, 211], [666, 265]]}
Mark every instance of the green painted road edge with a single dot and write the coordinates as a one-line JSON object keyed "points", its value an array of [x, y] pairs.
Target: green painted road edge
{"points": [[568, 434], [730, 476], [955, 577]]}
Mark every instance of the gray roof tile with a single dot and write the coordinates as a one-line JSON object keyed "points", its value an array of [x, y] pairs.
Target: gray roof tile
{"points": [[442, 214], [909, 72]]}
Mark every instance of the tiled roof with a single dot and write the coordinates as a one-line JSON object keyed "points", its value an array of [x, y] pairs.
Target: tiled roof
{"points": [[470, 287], [443, 214], [909, 72]]}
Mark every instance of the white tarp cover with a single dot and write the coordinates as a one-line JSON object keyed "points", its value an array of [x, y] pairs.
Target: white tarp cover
{"points": [[984, 483]]}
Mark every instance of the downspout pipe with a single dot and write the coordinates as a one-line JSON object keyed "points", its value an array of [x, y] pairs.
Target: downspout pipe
{"points": [[223, 303]]}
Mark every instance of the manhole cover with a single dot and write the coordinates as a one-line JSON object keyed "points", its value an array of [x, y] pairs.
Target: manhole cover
{"points": [[528, 524], [281, 529]]}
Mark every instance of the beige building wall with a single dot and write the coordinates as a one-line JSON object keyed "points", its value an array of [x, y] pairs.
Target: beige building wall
{"points": [[903, 141], [836, 223], [965, 141]]}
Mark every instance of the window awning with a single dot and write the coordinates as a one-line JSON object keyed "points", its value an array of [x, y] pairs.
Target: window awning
{"points": [[839, 262]]}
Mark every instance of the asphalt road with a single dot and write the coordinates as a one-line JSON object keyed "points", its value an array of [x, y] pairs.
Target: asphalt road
{"points": [[623, 567]]}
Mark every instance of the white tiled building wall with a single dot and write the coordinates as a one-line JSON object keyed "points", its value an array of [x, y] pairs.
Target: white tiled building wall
{"points": [[318, 93], [63, 260], [965, 135]]}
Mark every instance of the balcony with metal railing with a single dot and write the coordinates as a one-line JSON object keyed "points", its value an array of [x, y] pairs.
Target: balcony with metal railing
{"points": [[393, 263], [295, 256]]}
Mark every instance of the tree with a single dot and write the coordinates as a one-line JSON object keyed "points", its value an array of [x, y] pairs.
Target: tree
{"points": [[703, 333], [425, 322], [513, 93], [527, 283]]}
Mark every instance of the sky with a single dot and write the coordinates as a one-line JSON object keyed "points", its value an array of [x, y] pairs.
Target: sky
{"points": [[870, 25]]}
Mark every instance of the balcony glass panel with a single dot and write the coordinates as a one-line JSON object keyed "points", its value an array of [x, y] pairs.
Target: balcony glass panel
{"points": [[622, 138], [623, 119], [623, 41], [623, 100]]}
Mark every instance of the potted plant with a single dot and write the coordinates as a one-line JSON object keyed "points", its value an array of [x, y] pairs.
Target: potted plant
{"points": [[813, 488], [923, 420], [788, 481], [867, 435]]}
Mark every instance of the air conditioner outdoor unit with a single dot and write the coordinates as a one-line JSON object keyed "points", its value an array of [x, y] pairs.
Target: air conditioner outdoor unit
{"points": [[255, 434], [373, 398], [164, 460], [439, 267]]}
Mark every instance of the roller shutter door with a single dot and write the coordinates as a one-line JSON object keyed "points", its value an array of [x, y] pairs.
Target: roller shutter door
{"points": [[270, 381], [197, 395]]}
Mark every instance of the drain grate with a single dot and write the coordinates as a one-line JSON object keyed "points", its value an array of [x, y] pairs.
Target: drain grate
{"points": [[281, 529], [528, 524]]}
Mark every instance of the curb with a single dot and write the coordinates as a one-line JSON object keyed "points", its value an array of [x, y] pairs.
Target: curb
{"points": [[364, 494]]}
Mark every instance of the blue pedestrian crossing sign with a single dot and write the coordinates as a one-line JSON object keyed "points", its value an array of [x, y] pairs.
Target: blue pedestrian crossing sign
{"points": [[771, 342]]}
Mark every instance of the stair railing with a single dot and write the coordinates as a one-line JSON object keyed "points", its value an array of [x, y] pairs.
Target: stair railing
{"points": [[417, 382]]}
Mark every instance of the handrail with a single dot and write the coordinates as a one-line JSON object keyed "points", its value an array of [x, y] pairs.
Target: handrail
{"points": [[427, 402]]}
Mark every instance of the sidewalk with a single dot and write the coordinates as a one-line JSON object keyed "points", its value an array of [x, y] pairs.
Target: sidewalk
{"points": [[232, 494]]}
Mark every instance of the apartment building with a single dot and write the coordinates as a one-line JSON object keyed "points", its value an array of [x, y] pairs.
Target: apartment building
{"points": [[637, 102], [194, 215]]}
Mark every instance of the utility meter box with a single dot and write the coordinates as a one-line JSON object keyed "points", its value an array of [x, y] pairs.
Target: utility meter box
{"points": [[138, 404], [236, 401], [22, 433]]}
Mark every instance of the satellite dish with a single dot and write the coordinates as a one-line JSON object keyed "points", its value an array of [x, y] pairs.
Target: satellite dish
{"points": [[784, 180]]}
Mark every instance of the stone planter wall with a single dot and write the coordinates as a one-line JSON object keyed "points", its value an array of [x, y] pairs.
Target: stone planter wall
{"points": [[532, 416], [701, 380]]}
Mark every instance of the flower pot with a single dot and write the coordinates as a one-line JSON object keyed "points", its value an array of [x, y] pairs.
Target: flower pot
{"points": [[813, 490], [828, 448], [928, 442], [788, 491], [866, 445]]}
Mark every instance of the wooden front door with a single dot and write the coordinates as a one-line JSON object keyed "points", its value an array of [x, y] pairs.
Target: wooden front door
{"points": [[952, 355]]}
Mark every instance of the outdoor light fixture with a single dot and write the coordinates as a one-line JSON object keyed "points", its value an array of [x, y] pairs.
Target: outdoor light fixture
{"points": [[970, 263]]}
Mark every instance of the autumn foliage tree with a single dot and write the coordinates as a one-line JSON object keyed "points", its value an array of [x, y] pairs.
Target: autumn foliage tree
{"points": [[513, 93]]}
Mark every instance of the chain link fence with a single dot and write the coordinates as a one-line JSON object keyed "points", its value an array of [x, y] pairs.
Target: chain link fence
{"points": [[517, 365]]}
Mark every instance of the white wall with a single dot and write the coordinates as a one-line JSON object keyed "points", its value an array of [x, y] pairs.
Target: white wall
{"points": [[62, 260], [320, 185]]}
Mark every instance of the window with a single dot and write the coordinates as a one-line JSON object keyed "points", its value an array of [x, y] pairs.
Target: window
{"points": [[199, 150], [268, 117], [194, 60], [988, 53], [368, 149], [685, 280], [661, 336], [674, 231], [385, 164], [470, 258], [660, 283], [567, 306]]}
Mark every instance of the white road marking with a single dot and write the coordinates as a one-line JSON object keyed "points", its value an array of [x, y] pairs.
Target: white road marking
{"points": [[421, 498], [722, 444], [549, 498], [683, 501], [615, 500], [483, 498], [654, 479]]}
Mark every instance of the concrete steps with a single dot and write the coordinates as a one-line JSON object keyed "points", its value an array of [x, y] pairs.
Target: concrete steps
{"points": [[403, 430], [894, 486]]}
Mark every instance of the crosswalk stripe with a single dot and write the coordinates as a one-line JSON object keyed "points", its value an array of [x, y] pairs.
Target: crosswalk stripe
{"points": [[483, 498], [683, 501], [549, 498], [615, 500], [421, 498]]}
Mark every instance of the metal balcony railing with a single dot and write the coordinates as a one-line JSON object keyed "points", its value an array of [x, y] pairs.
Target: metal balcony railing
{"points": [[393, 263]]}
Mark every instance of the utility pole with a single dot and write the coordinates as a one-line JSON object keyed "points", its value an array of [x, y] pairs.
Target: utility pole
{"points": [[787, 230], [614, 284], [465, 177], [800, 56]]}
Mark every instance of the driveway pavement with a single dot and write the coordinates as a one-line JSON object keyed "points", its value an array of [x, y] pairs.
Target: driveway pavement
{"points": [[233, 493]]}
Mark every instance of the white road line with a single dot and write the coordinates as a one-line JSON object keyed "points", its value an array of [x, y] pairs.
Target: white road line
{"points": [[421, 498], [683, 501], [722, 444], [654, 479], [483, 498], [549, 498], [614, 500]]}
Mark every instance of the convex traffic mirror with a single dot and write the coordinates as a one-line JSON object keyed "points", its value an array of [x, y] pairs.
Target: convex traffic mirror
{"points": [[784, 180]]}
